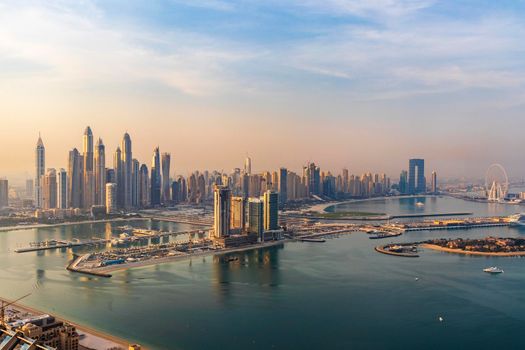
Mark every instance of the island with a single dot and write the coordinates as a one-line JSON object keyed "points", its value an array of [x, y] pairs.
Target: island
{"points": [[490, 246]]}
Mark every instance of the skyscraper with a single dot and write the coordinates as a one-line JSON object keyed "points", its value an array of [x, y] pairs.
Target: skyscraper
{"points": [[144, 187], [74, 181], [4, 193], [117, 165], [111, 198], [403, 182], [256, 218], [62, 190], [49, 189], [88, 190], [127, 171], [416, 176], [100, 173], [40, 165], [155, 178], [248, 166], [238, 214], [434, 182], [283, 186], [271, 211], [165, 160], [221, 213]]}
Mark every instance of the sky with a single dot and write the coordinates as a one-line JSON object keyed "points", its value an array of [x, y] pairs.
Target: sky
{"points": [[362, 84]]}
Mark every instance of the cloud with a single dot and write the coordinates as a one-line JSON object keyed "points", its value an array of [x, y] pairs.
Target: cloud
{"points": [[75, 45]]}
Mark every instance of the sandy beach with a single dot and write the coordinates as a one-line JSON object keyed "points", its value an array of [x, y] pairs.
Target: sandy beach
{"points": [[90, 338], [459, 251]]}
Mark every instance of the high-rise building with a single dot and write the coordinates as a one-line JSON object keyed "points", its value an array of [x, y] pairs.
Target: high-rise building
{"points": [[74, 181], [403, 182], [100, 173], [127, 171], [416, 176], [248, 166], [4, 193], [165, 164], [271, 211], [117, 165], [88, 188], [434, 182], [62, 190], [49, 189], [111, 198], [283, 186], [144, 189], [238, 215], [40, 165], [256, 218], [221, 213], [155, 178], [135, 184]]}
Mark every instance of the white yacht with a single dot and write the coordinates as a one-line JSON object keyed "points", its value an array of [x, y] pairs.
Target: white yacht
{"points": [[420, 204], [517, 219], [493, 270]]}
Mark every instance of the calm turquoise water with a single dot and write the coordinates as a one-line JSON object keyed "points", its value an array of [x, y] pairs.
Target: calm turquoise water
{"points": [[336, 295]]}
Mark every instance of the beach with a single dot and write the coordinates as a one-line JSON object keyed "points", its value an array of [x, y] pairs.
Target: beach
{"points": [[460, 251]]}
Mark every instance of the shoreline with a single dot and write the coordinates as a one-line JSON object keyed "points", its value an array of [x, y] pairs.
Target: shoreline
{"points": [[81, 329], [322, 207], [29, 227], [171, 259], [465, 252]]}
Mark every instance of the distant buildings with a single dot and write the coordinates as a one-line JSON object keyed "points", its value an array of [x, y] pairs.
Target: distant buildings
{"points": [[100, 173], [4, 193], [271, 211], [49, 193], [111, 198], [165, 164], [155, 178], [433, 183], [416, 176], [403, 182], [256, 217], [283, 186], [88, 174], [62, 190]]}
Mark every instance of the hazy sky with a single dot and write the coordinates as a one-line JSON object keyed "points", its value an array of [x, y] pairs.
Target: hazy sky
{"points": [[363, 84]]}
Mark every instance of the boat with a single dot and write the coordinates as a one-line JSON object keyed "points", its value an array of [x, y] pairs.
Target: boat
{"points": [[517, 219], [312, 240], [493, 270], [420, 204]]}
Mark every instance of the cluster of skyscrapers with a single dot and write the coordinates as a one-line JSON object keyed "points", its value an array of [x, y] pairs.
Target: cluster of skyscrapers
{"points": [[414, 181]]}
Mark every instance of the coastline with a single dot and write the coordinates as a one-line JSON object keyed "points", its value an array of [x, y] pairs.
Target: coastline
{"points": [[29, 227], [170, 259], [464, 252], [109, 339]]}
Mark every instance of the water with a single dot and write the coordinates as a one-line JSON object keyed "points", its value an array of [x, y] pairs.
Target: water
{"points": [[336, 295]]}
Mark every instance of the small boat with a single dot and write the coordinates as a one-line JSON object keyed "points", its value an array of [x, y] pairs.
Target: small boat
{"points": [[441, 319], [416, 279], [493, 270], [313, 240], [420, 204]]}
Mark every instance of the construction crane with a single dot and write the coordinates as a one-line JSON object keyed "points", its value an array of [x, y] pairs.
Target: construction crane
{"points": [[4, 306]]}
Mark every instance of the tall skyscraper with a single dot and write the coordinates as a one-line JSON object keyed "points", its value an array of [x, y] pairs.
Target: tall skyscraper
{"points": [[165, 160], [248, 166], [49, 189], [74, 181], [155, 178], [40, 165], [127, 171], [144, 186], [238, 215], [111, 198], [434, 182], [117, 165], [271, 211], [221, 213], [62, 190], [100, 173], [88, 190], [416, 176], [256, 218], [4, 193], [283, 186]]}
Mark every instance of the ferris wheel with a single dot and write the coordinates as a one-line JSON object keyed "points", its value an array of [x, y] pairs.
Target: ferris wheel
{"points": [[496, 183]]}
